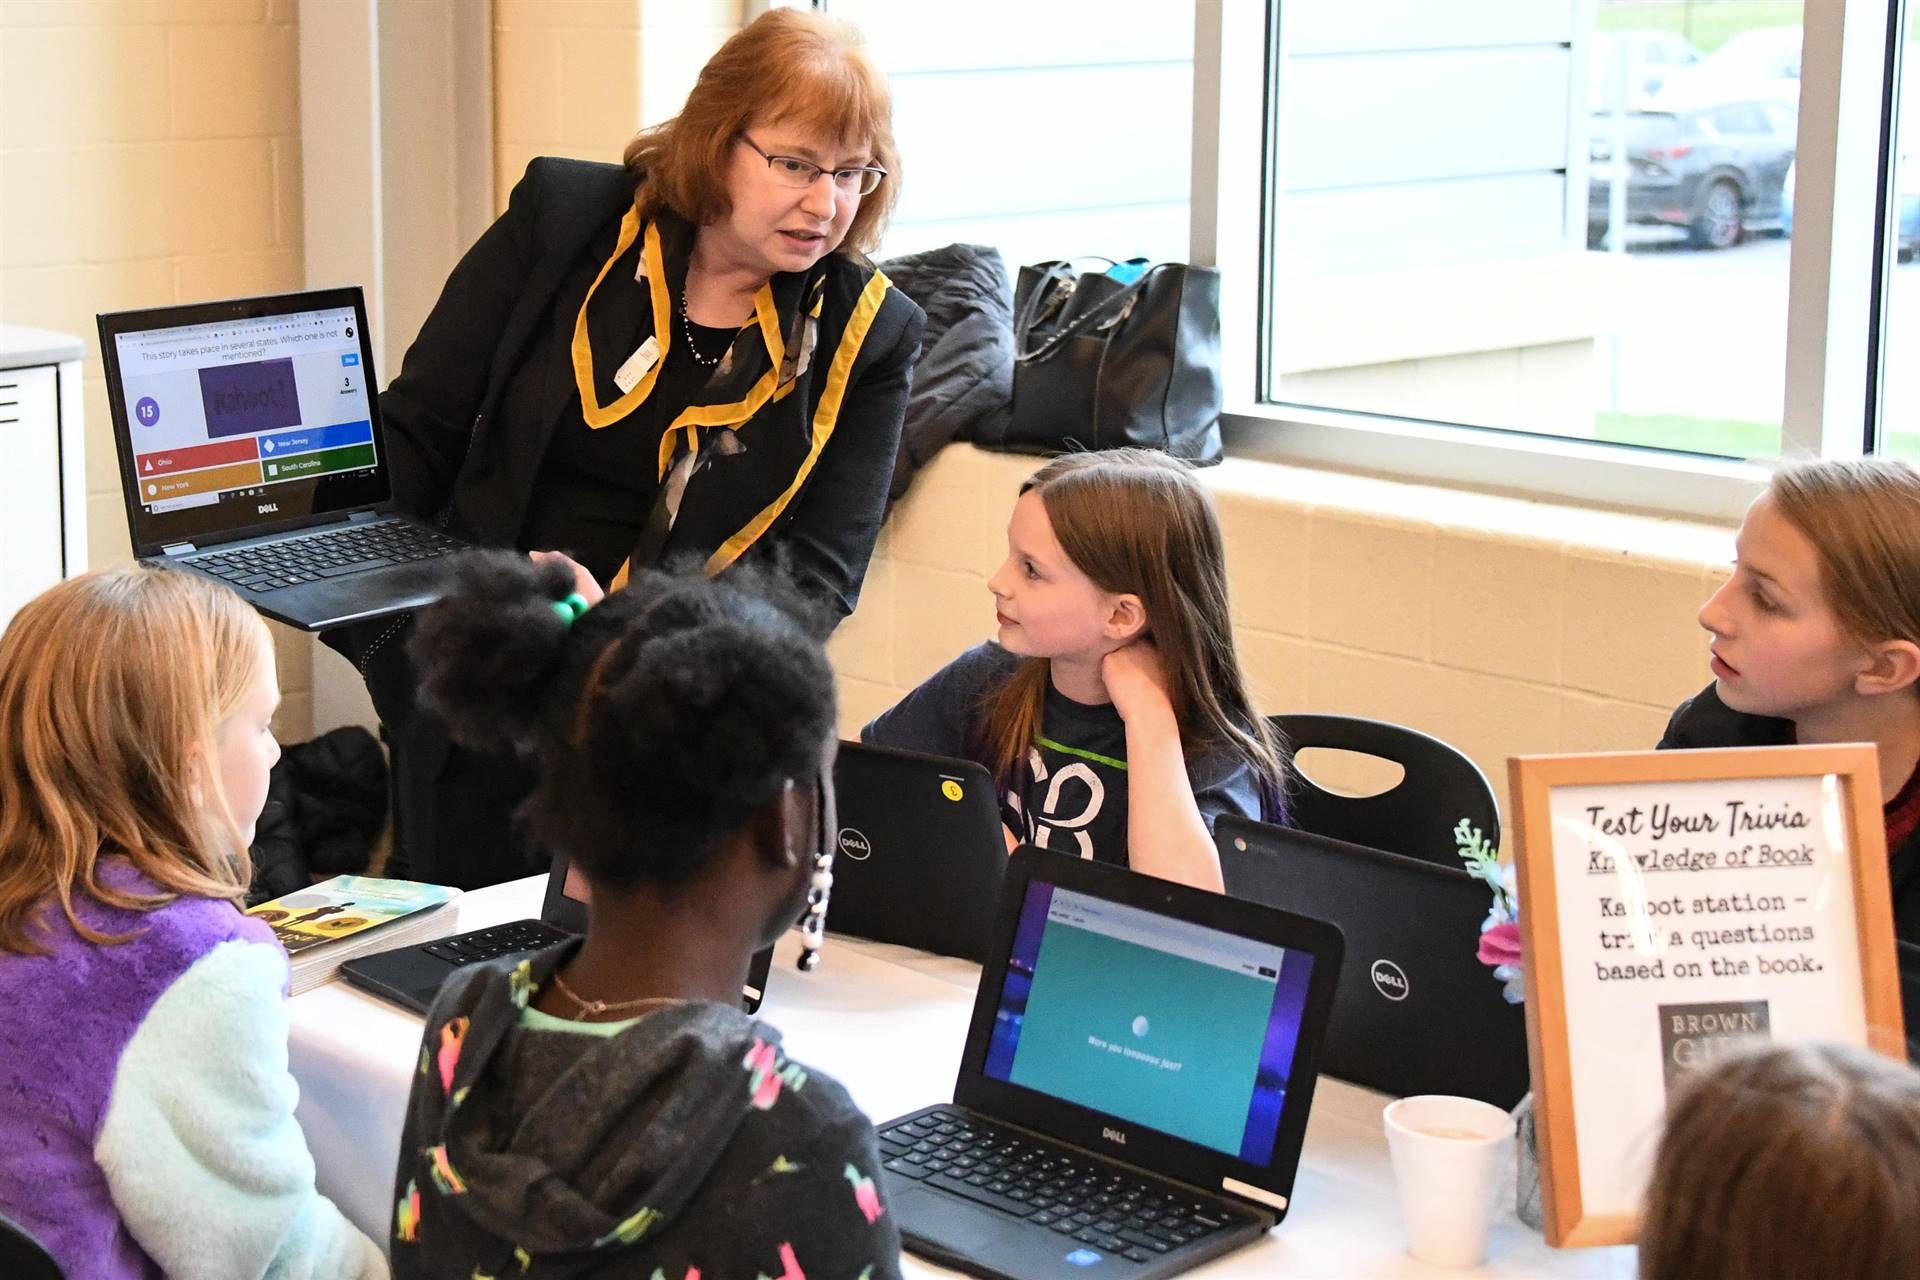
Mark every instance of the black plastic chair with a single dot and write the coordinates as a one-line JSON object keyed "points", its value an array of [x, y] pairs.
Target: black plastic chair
{"points": [[1416, 817], [22, 1258]]}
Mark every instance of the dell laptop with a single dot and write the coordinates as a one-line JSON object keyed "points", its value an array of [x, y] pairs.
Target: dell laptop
{"points": [[411, 976], [1416, 1011], [921, 853], [1135, 1085], [250, 451]]}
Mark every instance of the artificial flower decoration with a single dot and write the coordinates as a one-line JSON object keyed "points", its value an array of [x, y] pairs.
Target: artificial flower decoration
{"points": [[1499, 946]]}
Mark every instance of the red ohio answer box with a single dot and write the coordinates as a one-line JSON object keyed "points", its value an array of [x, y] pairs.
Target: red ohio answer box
{"points": [[219, 453]]}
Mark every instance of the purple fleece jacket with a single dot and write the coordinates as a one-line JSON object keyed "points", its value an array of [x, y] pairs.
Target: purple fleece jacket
{"points": [[69, 1015]]}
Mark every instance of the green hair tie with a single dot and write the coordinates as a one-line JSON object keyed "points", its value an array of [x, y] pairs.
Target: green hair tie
{"points": [[569, 607]]}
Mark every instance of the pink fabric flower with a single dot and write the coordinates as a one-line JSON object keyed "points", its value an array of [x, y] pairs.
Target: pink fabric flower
{"points": [[763, 1082], [452, 1036], [1500, 945], [865, 1195]]}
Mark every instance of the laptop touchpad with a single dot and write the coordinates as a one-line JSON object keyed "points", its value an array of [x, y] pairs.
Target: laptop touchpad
{"points": [[951, 1224]]}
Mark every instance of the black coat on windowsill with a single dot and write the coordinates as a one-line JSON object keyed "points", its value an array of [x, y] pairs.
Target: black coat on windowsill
{"points": [[963, 384]]}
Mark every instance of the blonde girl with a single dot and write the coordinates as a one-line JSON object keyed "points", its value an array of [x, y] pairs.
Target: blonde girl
{"points": [[1111, 707], [1816, 637], [149, 1122]]}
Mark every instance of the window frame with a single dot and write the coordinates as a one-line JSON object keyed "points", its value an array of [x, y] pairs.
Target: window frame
{"points": [[1838, 273]]}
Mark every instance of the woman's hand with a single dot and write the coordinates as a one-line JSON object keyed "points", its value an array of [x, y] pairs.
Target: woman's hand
{"points": [[582, 580], [1136, 680]]}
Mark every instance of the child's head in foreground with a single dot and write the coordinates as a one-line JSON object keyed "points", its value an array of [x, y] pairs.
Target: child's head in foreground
{"points": [[1788, 1162]]}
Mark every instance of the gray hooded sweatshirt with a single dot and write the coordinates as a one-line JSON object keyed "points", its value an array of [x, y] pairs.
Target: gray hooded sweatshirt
{"points": [[685, 1146]]}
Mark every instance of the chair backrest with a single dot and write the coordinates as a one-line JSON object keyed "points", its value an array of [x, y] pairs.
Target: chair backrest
{"points": [[22, 1258], [1415, 818]]}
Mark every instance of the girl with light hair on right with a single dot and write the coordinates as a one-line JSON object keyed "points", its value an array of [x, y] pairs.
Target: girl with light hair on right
{"points": [[1816, 637], [1788, 1162]]}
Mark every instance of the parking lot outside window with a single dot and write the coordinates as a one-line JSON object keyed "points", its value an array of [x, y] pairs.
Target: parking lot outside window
{"points": [[1560, 247]]}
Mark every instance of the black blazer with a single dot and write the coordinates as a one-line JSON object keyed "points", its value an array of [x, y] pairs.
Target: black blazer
{"points": [[454, 460], [1705, 721]]}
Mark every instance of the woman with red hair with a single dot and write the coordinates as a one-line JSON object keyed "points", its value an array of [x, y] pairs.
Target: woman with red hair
{"points": [[683, 360]]}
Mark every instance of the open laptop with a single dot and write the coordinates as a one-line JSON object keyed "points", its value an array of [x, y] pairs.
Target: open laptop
{"points": [[250, 450], [1416, 1011], [1135, 1085], [921, 854], [411, 976]]}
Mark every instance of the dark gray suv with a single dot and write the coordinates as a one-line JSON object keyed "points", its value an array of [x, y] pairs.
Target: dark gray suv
{"points": [[1713, 170]]}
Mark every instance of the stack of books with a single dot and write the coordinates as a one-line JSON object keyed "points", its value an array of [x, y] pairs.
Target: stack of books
{"points": [[348, 916]]}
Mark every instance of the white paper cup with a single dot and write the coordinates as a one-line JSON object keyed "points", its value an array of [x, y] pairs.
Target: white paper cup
{"points": [[1450, 1158]]}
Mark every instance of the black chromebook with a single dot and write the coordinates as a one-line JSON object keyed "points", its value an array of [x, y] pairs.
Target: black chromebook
{"points": [[1134, 1090], [1416, 1011], [250, 450], [411, 976], [921, 854]]}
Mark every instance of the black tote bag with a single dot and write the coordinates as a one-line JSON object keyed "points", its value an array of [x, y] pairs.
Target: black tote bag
{"points": [[1102, 364]]}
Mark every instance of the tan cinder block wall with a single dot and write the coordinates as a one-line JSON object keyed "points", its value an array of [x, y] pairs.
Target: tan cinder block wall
{"points": [[149, 153], [579, 77], [1501, 625]]}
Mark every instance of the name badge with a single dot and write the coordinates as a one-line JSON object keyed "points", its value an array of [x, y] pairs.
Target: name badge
{"points": [[628, 376]]}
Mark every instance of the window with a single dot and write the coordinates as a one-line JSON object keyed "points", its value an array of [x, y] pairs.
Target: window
{"points": [[1567, 219], [1551, 246], [1899, 400]]}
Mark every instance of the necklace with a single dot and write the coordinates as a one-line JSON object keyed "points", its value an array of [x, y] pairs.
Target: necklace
{"points": [[597, 1007], [686, 327]]}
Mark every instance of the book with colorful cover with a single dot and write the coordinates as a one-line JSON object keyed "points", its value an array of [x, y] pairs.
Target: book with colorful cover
{"points": [[329, 923]]}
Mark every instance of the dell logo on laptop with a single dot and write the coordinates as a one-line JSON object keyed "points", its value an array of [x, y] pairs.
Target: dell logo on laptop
{"points": [[1114, 1135], [1389, 979], [268, 508], [855, 845]]}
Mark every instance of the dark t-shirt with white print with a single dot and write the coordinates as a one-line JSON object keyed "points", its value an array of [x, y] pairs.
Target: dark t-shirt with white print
{"points": [[1072, 796]]}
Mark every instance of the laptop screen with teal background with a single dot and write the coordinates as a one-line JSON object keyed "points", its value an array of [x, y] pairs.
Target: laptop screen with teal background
{"points": [[1156, 1021]]}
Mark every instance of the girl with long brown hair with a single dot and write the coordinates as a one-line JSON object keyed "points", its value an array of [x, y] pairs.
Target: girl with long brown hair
{"points": [[1112, 709], [149, 1122]]}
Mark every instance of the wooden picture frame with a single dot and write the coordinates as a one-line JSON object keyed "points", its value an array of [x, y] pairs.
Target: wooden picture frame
{"points": [[1604, 981]]}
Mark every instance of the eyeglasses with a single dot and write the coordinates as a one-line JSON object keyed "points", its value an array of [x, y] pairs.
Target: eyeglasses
{"points": [[792, 171]]}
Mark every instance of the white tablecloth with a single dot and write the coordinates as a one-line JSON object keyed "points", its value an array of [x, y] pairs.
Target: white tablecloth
{"points": [[889, 1024]]}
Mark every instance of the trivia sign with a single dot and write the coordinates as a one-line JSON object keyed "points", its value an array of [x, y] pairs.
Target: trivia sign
{"points": [[1676, 905]]}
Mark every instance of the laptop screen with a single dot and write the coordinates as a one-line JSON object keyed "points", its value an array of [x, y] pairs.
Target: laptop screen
{"points": [[1161, 1022], [234, 418]]}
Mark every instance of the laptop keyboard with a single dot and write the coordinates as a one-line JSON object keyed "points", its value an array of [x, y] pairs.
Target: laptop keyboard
{"points": [[330, 553], [1048, 1186], [491, 944]]}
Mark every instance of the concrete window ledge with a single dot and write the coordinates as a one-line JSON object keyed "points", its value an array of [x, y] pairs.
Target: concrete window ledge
{"points": [[1503, 625]]}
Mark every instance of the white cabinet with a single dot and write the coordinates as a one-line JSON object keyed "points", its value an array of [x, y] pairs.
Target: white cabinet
{"points": [[43, 519]]}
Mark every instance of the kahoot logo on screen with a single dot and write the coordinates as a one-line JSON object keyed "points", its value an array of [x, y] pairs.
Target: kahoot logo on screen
{"points": [[241, 399]]}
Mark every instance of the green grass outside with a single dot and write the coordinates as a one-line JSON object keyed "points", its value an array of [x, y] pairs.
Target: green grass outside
{"points": [[1721, 437], [1725, 437], [1707, 23]]}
